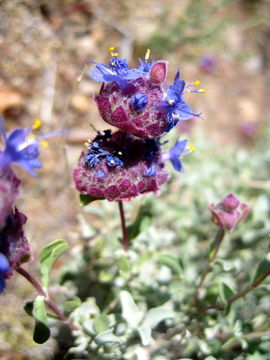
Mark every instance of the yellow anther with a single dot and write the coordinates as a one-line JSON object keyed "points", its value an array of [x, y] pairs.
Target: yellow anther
{"points": [[115, 54], [171, 102], [111, 48], [197, 82], [147, 55], [191, 147], [44, 143], [112, 63], [87, 142], [202, 91], [37, 124]]}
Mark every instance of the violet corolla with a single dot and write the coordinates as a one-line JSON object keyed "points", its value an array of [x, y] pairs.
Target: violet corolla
{"points": [[174, 104], [23, 148]]}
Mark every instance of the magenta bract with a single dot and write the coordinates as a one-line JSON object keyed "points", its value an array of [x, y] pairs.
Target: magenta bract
{"points": [[229, 212], [14, 245], [142, 170], [116, 107], [9, 184]]}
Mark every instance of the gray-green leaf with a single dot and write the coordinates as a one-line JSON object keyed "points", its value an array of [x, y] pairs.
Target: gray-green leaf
{"points": [[130, 311], [41, 332], [47, 258]]}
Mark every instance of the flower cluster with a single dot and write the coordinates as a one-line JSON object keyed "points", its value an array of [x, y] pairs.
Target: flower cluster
{"points": [[131, 161], [21, 147]]}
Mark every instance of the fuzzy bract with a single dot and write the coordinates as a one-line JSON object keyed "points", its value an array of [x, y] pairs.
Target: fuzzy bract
{"points": [[14, 246], [9, 190], [141, 169], [133, 108]]}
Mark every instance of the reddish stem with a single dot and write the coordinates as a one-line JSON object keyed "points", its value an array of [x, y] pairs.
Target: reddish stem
{"points": [[47, 300], [123, 225]]}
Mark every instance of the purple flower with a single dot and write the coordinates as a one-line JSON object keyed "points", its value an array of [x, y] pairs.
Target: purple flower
{"points": [[176, 153], [118, 70], [22, 148], [229, 212], [208, 63], [14, 247], [138, 101], [174, 104], [137, 167]]}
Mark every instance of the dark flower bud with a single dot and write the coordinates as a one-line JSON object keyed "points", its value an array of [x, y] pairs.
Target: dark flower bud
{"points": [[138, 101]]}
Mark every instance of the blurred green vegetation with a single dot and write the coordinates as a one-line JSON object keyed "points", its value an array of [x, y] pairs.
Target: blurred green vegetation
{"points": [[144, 296]]}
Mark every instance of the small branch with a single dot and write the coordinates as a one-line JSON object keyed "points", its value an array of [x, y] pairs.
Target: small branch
{"points": [[241, 294], [217, 243], [33, 281], [47, 299], [123, 225]]}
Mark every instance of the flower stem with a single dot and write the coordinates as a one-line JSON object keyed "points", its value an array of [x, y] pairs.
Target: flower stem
{"points": [[47, 299], [123, 225], [212, 257]]}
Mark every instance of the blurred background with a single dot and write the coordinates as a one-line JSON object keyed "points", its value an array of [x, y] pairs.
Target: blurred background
{"points": [[45, 51]]}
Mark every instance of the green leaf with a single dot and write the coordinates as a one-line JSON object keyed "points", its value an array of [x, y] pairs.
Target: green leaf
{"points": [[39, 310], [130, 311], [107, 337], [141, 223], [87, 199], [72, 304], [262, 268], [171, 262], [41, 332], [101, 323], [48, 256], [225, 292], [124, 264], [28, 307]]}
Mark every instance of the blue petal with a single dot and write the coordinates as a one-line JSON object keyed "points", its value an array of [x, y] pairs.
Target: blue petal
{"points": [[2, 283], [163, 105], [175, 152], [4, 264], [177, 76], [112, 160], [100, 174], [177, 164], [99, 71], [30, 165], [177, 149], [184, 111], [139, 101], [151, 171], [17, 137]]}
